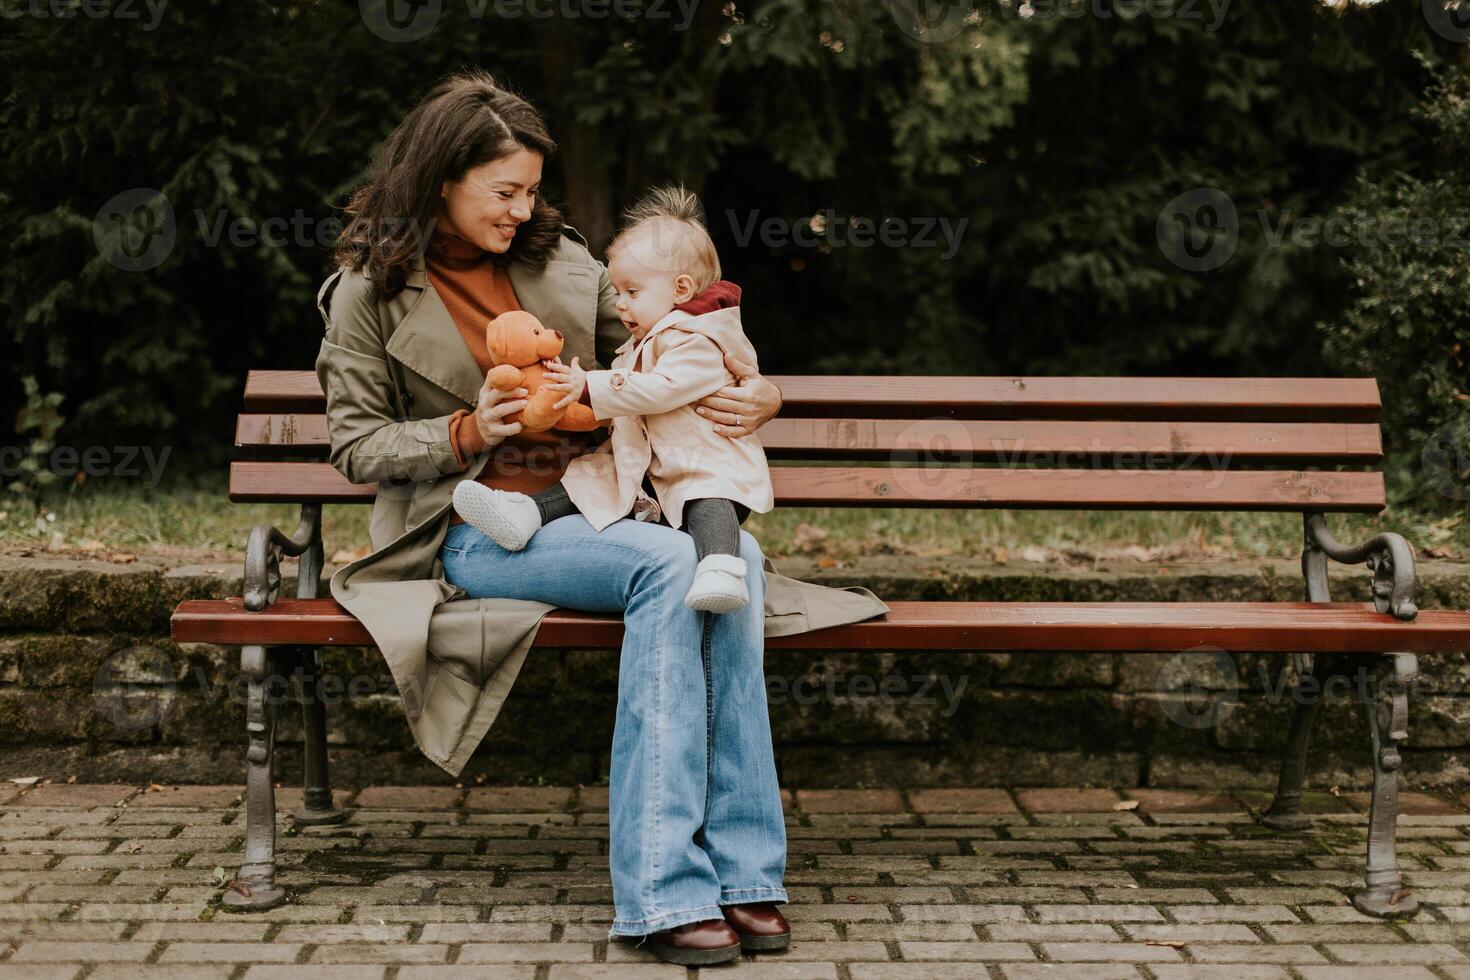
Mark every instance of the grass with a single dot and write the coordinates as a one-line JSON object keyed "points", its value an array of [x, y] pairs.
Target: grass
{"points": [[197, 521]]}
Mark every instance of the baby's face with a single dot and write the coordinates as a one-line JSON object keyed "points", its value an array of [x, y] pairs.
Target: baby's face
{"points": [[646, 290]]}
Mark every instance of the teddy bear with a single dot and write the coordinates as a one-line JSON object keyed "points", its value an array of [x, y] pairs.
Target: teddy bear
{"points": [[518, 344]]}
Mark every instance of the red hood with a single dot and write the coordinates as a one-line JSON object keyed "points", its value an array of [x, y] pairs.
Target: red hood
{"points": [[718, 296]]}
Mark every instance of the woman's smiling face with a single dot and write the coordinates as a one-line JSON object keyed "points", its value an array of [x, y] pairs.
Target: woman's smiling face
{"points": [[494, 198]]}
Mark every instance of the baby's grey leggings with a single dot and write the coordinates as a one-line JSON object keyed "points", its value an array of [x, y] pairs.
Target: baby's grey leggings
{"points": [[713, 522]]}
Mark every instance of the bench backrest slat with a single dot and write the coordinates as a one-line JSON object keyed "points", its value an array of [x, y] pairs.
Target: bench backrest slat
{"points": [[961, 397], [868, 486], [1024, 442]]}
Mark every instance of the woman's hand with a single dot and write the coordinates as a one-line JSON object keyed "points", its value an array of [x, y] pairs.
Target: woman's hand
{"points": [[566, 377], [739, 409], [492, 407]]}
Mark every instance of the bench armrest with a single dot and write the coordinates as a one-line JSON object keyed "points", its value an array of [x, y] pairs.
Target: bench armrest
{"points": [[1387, 555], [263, 553]]}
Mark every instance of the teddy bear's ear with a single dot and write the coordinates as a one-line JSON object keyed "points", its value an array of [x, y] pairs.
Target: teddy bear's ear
{"points": [[495, 339]]}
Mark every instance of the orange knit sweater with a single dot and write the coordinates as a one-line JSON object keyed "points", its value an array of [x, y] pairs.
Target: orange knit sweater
{"points": [[475, 290]]}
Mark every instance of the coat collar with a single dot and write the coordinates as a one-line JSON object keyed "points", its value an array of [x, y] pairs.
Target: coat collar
{"points": [[670, 318], [427, 342]]}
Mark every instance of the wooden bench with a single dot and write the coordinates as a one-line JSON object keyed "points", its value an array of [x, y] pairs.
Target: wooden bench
{"points": [[1190, 444]]}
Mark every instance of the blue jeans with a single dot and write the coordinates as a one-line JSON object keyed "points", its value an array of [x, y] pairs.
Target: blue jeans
{"points": [[694, 808]]}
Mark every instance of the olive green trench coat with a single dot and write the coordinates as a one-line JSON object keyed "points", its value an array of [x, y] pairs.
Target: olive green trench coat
{"points": [[394, 371]]}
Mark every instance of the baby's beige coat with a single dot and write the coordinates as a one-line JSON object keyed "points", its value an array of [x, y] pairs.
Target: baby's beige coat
{"points": [[394, 372], [649, 393]]}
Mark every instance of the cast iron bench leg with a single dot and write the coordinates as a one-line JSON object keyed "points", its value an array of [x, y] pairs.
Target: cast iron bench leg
{"points": [[317, 805], [1388, 719], [258, 890], [1285, 812]]}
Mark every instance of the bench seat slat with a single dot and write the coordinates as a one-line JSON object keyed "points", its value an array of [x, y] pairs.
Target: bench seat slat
{"points": [[1161, 627], [1061, 444], [914, 397], [859, 486]]}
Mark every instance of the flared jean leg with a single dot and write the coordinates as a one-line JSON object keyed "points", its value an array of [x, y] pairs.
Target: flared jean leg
{"points": [[744, 830], [662, 877]]}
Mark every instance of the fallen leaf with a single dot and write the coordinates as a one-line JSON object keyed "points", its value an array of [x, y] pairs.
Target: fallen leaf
{"points": [[1396, 897], [236, 885], [1000, 554], [91, 544], [1125, 805], [26, 780], [71, 779], [1440, 551], [826, 562], [1032, 553], [346, 556], [807, 537], [218, 876]]}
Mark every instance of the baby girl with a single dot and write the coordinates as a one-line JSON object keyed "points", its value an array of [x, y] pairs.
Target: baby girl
{"points": [[682, 319]]}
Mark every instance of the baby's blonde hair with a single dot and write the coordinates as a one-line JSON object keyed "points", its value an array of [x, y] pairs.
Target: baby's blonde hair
{"points": [[672, 217]]}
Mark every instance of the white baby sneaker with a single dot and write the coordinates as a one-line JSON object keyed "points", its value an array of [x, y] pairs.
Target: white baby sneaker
{"points": [[506, 517], [719, 584]]}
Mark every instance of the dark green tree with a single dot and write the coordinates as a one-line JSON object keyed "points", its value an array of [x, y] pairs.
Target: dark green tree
{"points": [[1407, 319]]}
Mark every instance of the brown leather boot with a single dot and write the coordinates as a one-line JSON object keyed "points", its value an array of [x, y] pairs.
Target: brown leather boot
{"points": [[761, 926], [695, 943]]}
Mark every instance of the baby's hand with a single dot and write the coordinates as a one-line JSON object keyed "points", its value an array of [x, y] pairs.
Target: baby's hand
{"points": [[569, 378]]}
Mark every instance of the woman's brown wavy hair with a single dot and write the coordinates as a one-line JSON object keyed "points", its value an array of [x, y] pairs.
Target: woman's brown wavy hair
{"points": [[465, 121]]}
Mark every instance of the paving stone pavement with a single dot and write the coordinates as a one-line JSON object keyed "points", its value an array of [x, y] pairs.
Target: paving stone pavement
{"points": [[112, 881]]}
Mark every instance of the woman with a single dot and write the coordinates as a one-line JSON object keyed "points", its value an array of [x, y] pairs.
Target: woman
{"points": [[449, 231]]}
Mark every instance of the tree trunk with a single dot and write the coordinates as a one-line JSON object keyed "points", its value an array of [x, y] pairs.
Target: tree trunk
{"points": [[588, 188]]}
